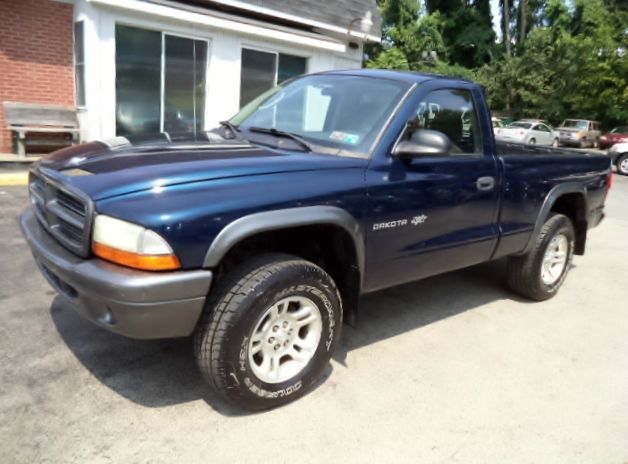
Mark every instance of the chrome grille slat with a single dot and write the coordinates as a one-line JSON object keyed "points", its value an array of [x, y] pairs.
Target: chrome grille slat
{"points": [[64, 213]]}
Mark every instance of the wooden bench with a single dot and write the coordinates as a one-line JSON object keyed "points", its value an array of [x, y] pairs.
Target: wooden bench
{"points": [[23, 118]]}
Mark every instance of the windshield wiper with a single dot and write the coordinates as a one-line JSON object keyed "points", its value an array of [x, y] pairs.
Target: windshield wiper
{"points": [[280, 133], [234, 130]]}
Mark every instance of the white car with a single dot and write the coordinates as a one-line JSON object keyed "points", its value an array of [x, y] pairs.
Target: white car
{"points": [[619, 157], [528, 132]]}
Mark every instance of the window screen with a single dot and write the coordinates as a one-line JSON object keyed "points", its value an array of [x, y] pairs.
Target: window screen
{"points": [[263, 70], [184, 84], [257, 75], [79, 64], [151, 98], [138, 80]]}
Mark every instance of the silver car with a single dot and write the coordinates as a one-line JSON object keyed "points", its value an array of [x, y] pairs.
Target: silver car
{"points": [[529, 132], [580, 133]]}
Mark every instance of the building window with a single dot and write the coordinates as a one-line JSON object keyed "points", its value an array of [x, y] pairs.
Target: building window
{"points": [[263, 70], [79, 64], [160, 82]]}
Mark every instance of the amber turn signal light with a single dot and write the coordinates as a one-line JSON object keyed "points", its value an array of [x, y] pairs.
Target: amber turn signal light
{"points": [[136, 261]]}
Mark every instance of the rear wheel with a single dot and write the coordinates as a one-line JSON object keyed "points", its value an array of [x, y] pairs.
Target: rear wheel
{"points": [[539, 274], [622, 164], [532, 141], [268, 331]]}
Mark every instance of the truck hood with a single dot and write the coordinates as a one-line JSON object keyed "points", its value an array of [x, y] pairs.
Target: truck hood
{"points": [[104, 171]]}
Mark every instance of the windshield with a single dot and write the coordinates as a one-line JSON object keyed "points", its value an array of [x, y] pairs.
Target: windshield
{"points": [[620, 130], [575, 123], [523, 125], [339, 112]]}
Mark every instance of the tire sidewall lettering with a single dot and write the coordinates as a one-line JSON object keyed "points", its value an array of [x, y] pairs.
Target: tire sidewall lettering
{"points": [[247, 380]]}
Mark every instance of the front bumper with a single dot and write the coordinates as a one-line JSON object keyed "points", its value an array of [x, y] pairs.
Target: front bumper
{"points": [[133, 303]]}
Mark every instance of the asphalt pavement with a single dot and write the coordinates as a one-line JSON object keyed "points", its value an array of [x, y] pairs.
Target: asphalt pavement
{"points": [[452, 369]]}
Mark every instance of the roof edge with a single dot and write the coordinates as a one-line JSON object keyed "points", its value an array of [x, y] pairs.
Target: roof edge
{"points": [[299, 19]]}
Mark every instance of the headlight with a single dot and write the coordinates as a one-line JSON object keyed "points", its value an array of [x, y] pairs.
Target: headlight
{"points": [[131, 245]]}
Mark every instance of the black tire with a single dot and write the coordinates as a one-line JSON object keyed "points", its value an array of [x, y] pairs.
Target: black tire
{"points": [[524, 273], [532, 141], [623, 158], [233, 311]]}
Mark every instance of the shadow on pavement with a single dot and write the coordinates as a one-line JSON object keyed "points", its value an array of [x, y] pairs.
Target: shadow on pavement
{"points": [[163, 372]]}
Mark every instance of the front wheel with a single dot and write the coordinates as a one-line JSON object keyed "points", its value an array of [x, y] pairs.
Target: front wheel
{"points": [[540, 273], [622, 164], [268, 331]]}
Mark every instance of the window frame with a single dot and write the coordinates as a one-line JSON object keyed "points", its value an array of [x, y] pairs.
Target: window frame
{"points": [[147, 26], [273, 51], [474, 100], [80, 92]]}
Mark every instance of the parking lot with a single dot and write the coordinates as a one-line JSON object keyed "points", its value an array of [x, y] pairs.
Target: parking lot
{"points": [[450, 369]]}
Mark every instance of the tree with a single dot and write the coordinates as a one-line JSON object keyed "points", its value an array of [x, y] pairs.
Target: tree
{"points": [[505, 25], [569, 60]]}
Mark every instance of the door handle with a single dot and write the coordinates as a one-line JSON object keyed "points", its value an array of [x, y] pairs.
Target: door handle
{"points": [[485, 183]]}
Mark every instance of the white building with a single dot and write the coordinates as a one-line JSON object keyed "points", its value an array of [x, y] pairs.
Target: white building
{"points": [[159, 65]]}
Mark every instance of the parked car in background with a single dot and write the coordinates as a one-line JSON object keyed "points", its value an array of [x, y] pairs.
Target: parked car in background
{"points": [[530, 132], [617, 135], [497, 122], [619, 157], [580, 133]]}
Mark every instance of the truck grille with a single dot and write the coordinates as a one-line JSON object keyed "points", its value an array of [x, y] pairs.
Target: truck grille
{"points": [[65, 214]]}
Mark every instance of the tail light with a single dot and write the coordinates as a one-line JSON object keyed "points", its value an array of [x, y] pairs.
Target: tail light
{"points": [[521, 133]]}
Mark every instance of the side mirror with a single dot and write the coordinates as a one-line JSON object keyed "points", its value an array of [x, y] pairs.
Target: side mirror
{"points": [[423, 142]]}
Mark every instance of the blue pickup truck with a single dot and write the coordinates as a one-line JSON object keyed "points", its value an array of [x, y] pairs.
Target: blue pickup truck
{"points": [[259, 237]]}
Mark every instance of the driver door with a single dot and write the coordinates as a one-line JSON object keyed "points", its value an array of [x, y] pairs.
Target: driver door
{"points": [[432, 214]]}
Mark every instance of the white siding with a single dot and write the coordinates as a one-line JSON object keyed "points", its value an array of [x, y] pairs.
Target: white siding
{"points": [[223, 68]]}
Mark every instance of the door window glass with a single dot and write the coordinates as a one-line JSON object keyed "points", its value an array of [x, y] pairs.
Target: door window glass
{"points": [[452, 112]]}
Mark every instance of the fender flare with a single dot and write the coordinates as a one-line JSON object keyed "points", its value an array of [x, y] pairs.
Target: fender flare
{"points": [[267, 221], [554, 194]]}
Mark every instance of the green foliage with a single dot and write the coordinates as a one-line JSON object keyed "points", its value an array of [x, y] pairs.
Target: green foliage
{"points": [[572, 63]]}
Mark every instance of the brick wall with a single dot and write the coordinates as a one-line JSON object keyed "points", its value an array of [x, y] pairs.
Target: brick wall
{"points": [[35, 56]]}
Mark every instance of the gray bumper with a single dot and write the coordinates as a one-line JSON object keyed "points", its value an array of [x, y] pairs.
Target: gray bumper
{"points": [[133, 303]]}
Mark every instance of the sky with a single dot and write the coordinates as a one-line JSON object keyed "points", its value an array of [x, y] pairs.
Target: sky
{"points": [[496, 17]]}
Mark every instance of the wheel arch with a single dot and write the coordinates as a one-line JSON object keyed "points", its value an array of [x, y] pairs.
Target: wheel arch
{"points": [[326, 235], [569, 199]]}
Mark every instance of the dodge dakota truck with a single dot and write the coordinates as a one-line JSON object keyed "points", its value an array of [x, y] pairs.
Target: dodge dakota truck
{"points": [[259, 237]]}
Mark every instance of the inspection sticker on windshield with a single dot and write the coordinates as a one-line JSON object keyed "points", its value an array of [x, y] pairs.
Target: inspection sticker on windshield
{"points": [[344, 137]]}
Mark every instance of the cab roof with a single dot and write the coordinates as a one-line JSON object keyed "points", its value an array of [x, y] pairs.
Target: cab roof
{"points": [[405, 76]]}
